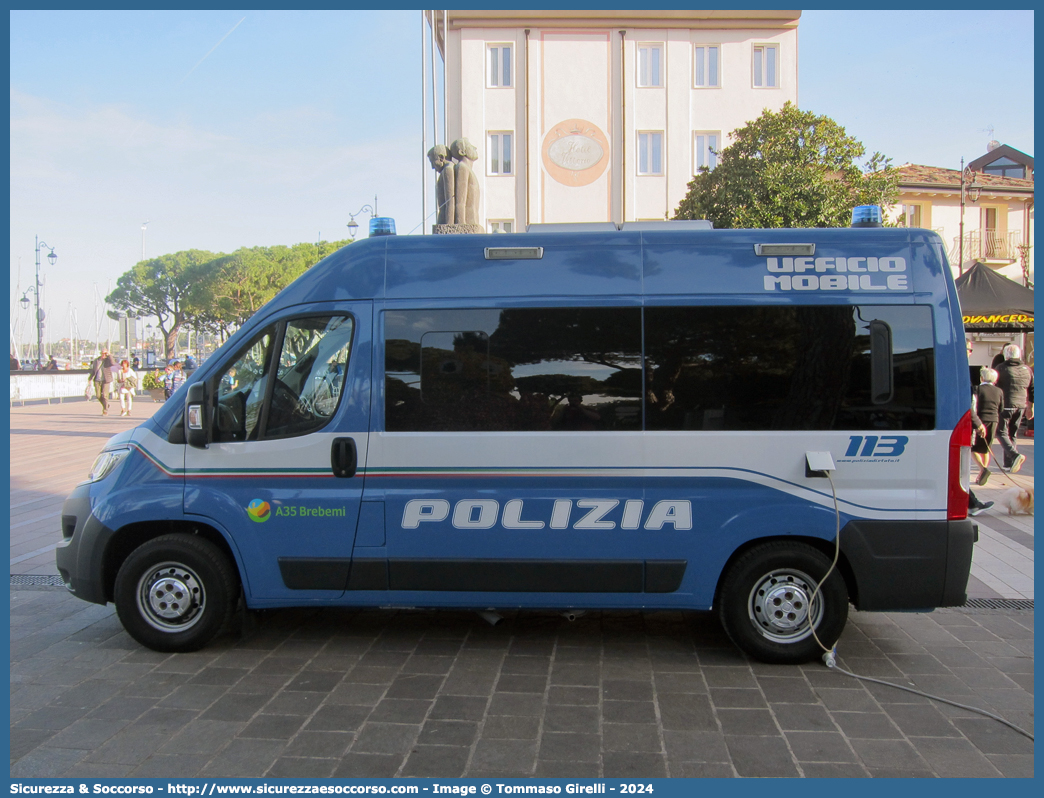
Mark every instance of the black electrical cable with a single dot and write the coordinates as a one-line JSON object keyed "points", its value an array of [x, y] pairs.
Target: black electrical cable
{"points": [[830, 657], [832, 664]]}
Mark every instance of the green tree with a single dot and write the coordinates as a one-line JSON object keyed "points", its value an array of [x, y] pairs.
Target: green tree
{"points": [[163, 287], [237, 285], [211, 291], [790, 168]]}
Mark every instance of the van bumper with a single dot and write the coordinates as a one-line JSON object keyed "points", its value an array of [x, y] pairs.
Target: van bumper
{"points": [[909, 565], [80, 555]]}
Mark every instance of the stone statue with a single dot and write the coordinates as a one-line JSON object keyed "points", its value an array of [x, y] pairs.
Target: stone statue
{"points": [[466, 188], [456, 188], [439, 156]]}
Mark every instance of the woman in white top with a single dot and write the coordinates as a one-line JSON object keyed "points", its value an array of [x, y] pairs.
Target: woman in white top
{"points": [[126, 384]]}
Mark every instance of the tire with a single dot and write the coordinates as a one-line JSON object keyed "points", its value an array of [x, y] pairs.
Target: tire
{"points": [[175, 593], [763, 603]]}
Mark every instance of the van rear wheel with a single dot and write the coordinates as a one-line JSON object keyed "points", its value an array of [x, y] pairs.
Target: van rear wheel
{"points": [[767, 607], [175, 593]]}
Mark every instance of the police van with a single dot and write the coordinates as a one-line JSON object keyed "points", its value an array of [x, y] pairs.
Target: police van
{"points": [[767, 424]]}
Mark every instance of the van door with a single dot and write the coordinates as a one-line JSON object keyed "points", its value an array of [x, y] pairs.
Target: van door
{"points": [[283, 472]]}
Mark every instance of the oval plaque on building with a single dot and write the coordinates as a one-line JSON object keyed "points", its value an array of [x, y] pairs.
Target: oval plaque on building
{"points": [[575, 152]]}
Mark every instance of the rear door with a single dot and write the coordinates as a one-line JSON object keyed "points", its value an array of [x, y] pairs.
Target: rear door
{"points": [[290, 431]]}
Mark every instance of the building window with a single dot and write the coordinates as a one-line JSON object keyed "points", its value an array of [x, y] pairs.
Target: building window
{"points": [[650, 153], [994, 240], [706, 63], [501, 226], [766, 65], [500, 154], [650, 60], [705, 150], [499, 60], [914, 216], [1005, 167]]}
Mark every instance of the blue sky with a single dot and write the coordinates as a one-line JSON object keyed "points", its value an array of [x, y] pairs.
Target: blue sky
{"points": [[226, 129], [921, 86]]}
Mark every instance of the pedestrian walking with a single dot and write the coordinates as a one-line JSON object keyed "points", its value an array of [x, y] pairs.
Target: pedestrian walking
{"points": [[100, 373], [989, 402], [178, 376], [976, 505], [1015, 379], [172, 379], [126, 385], [168, 381]]}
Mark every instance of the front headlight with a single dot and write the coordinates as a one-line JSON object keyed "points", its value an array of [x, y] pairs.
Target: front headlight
{"points": [[105, 462]]}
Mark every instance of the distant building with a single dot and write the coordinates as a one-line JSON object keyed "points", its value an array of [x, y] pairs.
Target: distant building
{"points": [[597, 116], [998, 210]]}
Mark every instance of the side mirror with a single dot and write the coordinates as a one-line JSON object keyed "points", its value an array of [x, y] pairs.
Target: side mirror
{"points": [[197, 416]]}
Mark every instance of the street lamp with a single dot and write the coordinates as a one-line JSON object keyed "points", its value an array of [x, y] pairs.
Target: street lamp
{"points": [[24, 301], [143, 226], [973, 190], [353, 226]]}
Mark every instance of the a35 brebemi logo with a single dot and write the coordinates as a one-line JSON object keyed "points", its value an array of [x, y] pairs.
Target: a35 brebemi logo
{"points": [[259, 511]]}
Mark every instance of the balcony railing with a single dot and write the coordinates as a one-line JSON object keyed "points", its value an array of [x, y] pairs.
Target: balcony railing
{"points": [[988, 245]]}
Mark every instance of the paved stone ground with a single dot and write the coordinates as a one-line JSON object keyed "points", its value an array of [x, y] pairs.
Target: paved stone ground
{"points": [[343, 693], [443, 694]]}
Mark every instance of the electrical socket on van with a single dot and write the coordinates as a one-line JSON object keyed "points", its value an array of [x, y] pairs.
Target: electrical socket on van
{"points": [[818, 463]]}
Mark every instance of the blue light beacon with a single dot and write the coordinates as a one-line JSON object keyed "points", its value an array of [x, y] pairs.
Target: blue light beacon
{"points": [[867, 216]]}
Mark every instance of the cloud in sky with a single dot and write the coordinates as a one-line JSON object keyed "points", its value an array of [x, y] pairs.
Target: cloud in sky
{"points": [[224, 131], [273, 182]]}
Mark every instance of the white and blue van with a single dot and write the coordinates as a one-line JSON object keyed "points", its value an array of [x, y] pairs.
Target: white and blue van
{"points": [[653, 417]]}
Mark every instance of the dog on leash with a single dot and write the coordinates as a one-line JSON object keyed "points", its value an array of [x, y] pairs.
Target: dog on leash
{"points": [[1017, 500]]}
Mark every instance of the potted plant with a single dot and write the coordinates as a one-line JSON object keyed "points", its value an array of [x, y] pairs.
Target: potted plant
{"points": [[153, 383]]}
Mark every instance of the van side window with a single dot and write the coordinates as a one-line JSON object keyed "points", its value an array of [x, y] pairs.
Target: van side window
{"points": [[786, 368], [309, 371], [524, 369]]}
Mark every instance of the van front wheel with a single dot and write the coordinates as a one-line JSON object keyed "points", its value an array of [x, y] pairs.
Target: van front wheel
{"points": [[175, 593], [767, 607]]}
